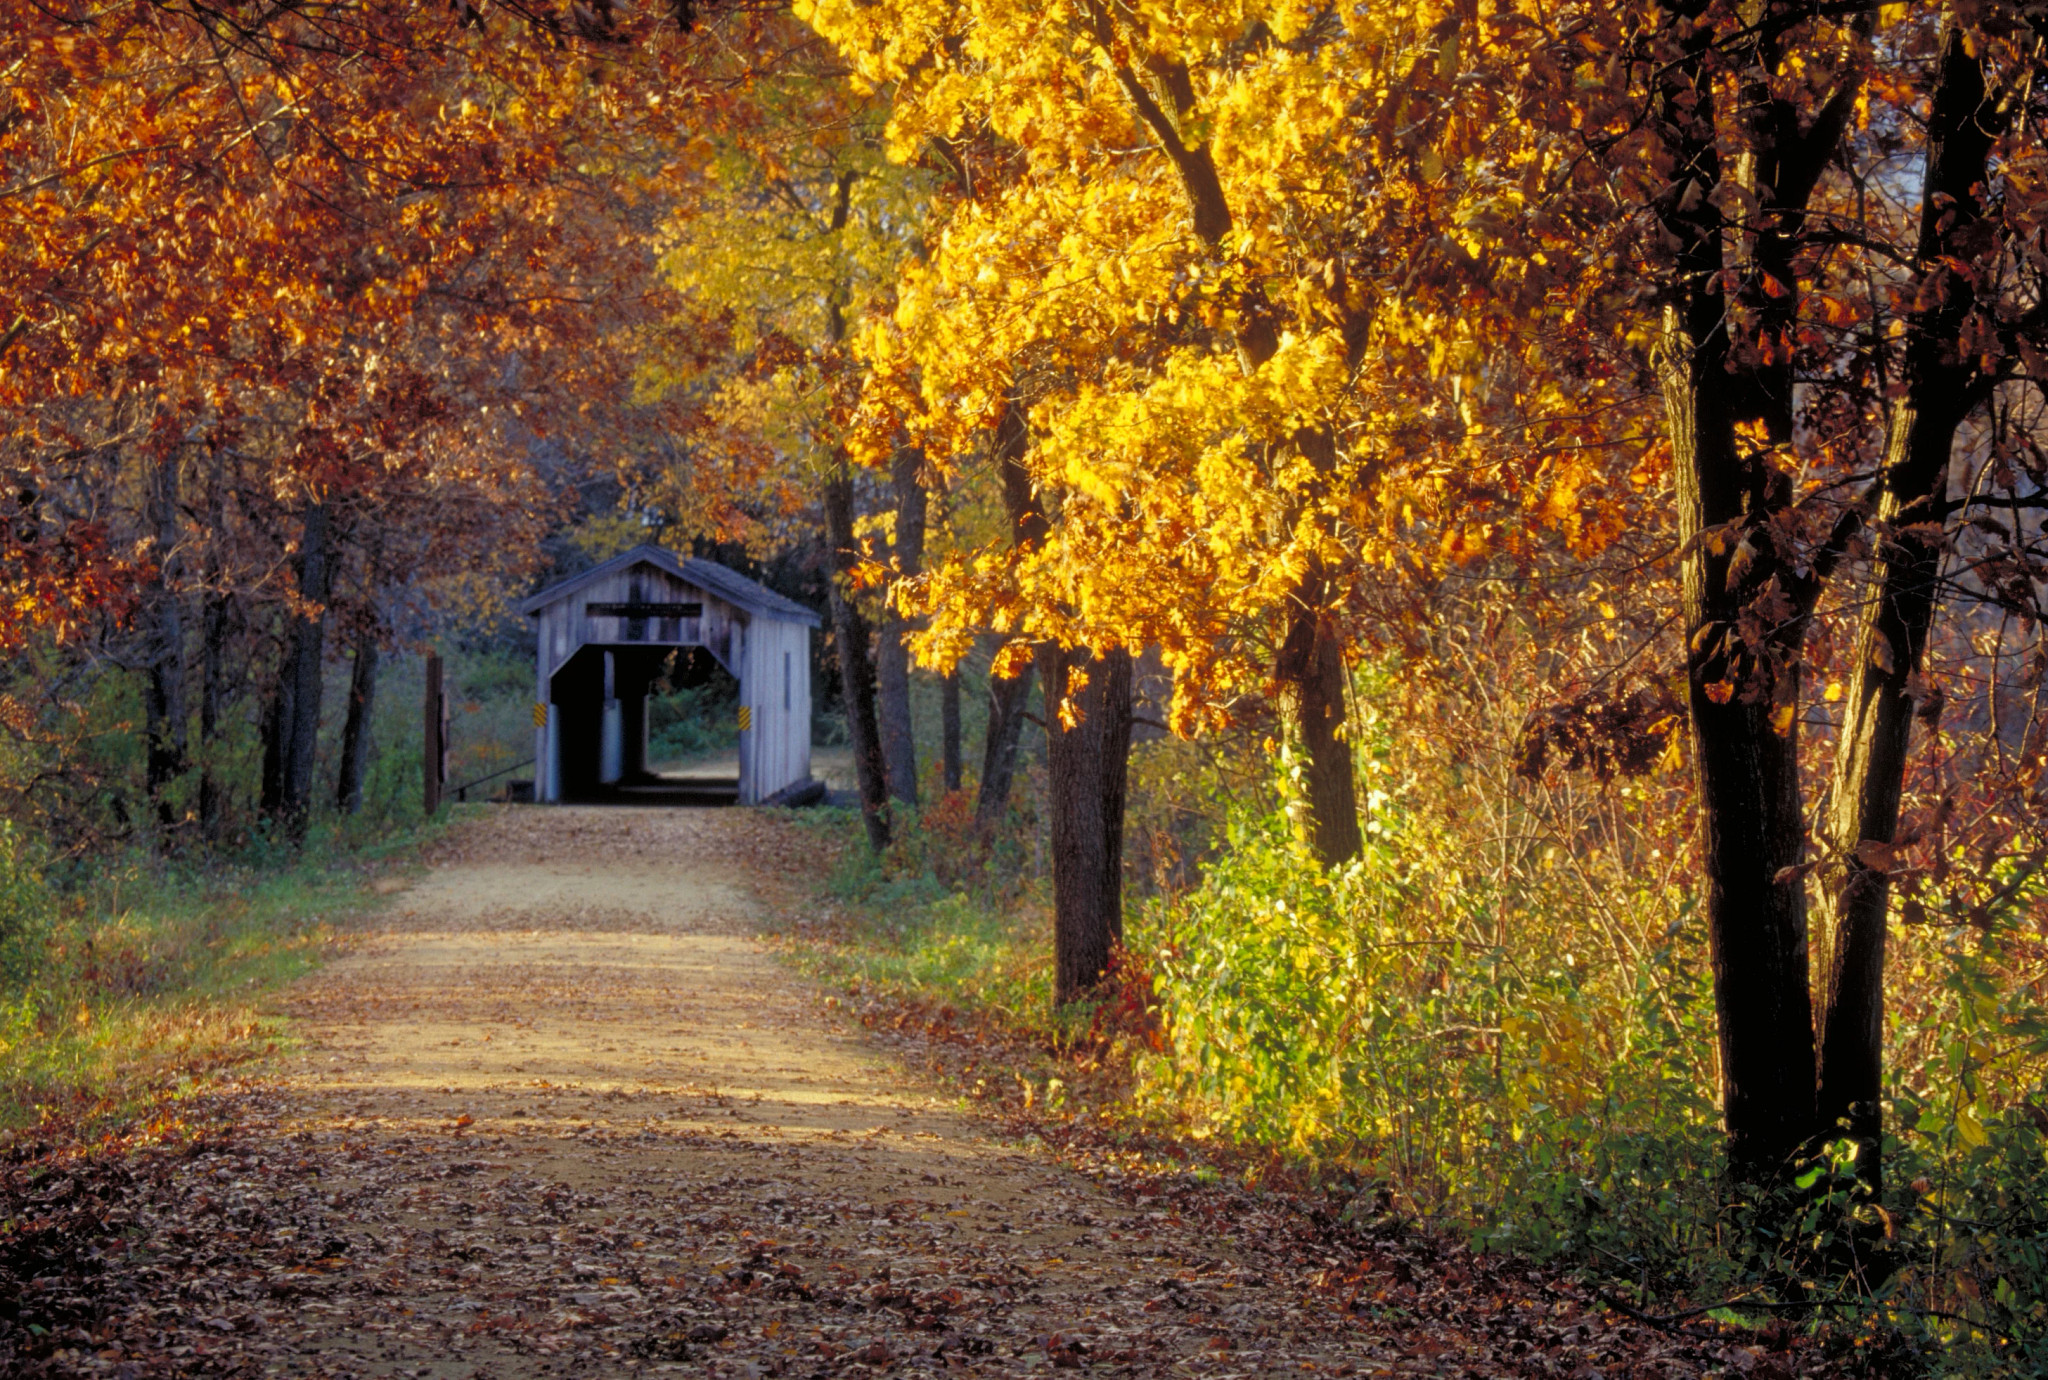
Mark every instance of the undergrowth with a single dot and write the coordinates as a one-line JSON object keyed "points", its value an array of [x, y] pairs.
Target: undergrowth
{"points": [[891, 925], [136, 978], [1498, 1020]]}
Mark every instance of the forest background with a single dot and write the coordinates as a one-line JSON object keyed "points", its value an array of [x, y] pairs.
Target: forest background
{"points": [[1452, 593]]}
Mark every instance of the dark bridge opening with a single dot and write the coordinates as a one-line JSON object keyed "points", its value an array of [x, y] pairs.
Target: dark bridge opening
{"points": [[616, 708]]}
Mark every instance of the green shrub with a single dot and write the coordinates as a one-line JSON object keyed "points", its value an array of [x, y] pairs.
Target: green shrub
{"points": [[1374, 1021], [26, 907], [1522, 1052]]}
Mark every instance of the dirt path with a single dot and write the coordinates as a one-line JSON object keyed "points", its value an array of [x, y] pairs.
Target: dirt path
{"points": [[567, 1118], [558, 1115]]}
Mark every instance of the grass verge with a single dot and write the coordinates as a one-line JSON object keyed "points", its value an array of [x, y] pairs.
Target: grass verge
{"points": [[947, 954], [134, 984]]}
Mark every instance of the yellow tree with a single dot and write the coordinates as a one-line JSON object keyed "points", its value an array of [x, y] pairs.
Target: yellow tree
{"points": [[1296, 294], [791, 237], [1180, 254]]}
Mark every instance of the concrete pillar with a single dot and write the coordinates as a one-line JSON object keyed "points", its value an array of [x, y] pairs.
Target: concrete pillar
{"points": [[612, 742], [551, 754]]}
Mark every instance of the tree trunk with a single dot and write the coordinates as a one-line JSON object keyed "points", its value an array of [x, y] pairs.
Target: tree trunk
{"points": [[892, 670], [856, 671], [1743, 697], [214, 622], [355, 732], [1312, 664], [276, 723], [1007, 695], [1861, 820], [164, 705], [1748, 776], [1087, 761], [434, 732], [949, 728], [299, 729]]}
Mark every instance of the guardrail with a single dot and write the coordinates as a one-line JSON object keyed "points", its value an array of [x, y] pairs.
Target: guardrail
{"points": [[462, 792]]}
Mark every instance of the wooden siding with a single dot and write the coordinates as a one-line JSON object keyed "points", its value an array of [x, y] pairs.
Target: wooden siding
{"points": [[567, 624], [758, 650], [776, 688]]}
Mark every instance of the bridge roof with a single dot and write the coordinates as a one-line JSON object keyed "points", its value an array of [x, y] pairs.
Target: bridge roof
{"points": [[736, 589]]}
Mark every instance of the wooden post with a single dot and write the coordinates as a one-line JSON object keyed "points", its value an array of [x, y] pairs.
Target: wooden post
{"points": [[434, 762]]}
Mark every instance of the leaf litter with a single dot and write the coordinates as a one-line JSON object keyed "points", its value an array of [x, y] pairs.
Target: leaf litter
{"points": [[558, 1114]]}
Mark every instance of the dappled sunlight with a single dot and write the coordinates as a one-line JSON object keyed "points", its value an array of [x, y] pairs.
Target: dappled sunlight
{"points": [[625, 1113]]}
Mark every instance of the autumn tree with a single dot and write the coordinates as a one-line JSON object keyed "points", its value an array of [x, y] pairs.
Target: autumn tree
{"points": [[1122, 150], [788, 242], [1828, 325], [1313, 293], [367, 227]]}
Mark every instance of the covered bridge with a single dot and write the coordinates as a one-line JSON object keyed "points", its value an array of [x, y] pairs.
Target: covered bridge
{"points": [[604, 637]]}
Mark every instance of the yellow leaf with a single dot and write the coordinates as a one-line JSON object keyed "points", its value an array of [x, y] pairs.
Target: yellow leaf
{"points": [[1968, 1127], [1834, 691]]}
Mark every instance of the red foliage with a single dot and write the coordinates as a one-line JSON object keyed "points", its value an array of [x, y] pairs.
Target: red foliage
{"points": [[1126, 1003]]}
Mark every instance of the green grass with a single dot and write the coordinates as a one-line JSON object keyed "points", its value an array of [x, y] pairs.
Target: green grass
{"points": [[147, 980], [895, 929]]}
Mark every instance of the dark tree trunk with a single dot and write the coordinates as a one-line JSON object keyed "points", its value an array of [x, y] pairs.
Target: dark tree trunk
{"points": [[949, 728], [1007, 695], [299, 728], [1744, 608], [355, 731], [277, 717], [856, 671], [164, 704], [892, 670], [1861, 820], [434, 735], [1087, 763], [214, 623], [1748, 775], [1312, 664]]}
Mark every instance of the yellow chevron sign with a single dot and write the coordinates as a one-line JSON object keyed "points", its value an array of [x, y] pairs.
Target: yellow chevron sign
{"points": [[540, 715], [746, 717]]}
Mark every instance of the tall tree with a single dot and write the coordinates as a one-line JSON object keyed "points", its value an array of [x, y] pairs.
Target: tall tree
{"points": [[1009, 680], [892, 654], [1744, 617], [1128, 80], [1942, 386], [1088, 741]]}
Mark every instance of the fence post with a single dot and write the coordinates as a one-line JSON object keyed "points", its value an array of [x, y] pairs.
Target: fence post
{"points": [[434, 763]]}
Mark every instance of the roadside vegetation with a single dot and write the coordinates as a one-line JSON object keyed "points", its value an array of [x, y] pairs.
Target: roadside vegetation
{"points": [[1496, 1022], [128, 987]]}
